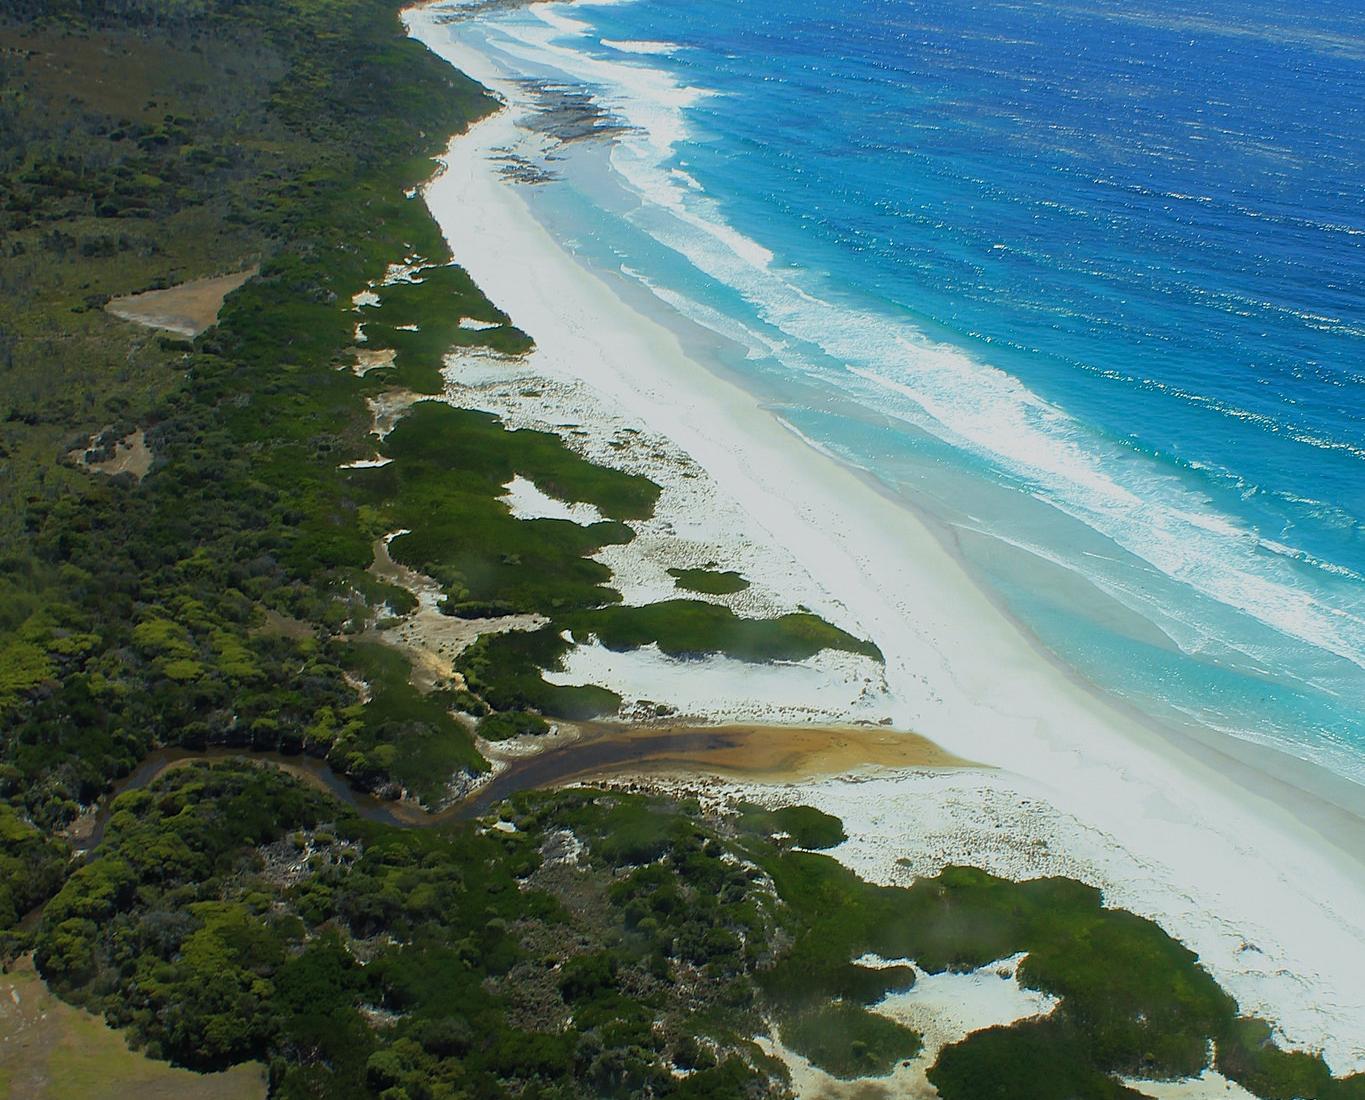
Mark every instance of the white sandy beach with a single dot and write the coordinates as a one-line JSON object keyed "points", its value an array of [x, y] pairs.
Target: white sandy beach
{"points": [[1226, 857]]}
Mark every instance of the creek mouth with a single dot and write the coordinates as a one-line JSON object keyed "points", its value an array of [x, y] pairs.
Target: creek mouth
{"points": [[590, 750]]}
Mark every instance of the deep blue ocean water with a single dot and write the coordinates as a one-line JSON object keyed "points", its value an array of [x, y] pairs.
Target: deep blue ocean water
{"points": [[1085, 281]]}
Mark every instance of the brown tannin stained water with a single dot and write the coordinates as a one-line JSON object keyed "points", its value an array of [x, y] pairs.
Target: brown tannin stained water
{"points": [[600, 750]]}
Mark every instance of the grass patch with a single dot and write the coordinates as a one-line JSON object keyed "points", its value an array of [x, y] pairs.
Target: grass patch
{"points": [[54, 1051]]}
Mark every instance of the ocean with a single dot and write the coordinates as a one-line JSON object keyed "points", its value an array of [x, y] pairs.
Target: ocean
{"points": [[1083, 283]]}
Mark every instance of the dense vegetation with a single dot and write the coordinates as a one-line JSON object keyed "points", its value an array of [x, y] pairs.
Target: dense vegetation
{"points": [[32, 866], [230, 914], [219, 599], [205, 602], [587, 945], [596, 944]]}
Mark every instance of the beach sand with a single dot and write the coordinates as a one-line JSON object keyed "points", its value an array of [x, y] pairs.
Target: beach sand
{"points": [[1252, 862]]}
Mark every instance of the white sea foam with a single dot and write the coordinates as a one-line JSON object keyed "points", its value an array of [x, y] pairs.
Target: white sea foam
{"points": [[1144, 509], [653, 104], [648, 100], [633, 46]]}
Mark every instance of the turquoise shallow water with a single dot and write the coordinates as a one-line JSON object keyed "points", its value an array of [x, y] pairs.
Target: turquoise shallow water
{"points": [[1084, 281]]}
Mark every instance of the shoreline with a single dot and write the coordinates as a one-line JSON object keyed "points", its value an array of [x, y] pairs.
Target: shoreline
{"points": [[1196, 818]]}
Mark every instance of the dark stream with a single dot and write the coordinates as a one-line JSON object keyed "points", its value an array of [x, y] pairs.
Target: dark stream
{"points": [[602, 750]]}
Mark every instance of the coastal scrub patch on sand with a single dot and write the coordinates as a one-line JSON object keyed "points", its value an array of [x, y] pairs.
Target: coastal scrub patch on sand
{"points": [[505, 725], [805, 825], [442, 488], [506, 670], [709, 582], [846, 1040], [1247, 1054], [419, 319], [682, 628]]}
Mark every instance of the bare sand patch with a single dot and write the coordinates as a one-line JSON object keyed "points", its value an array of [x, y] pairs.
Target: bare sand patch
{"points": [[945, 1008], [1210, 1085], [388, 408], [809, 1082], [131, 456], [187, 309], [429, 637], [284, 625], [432, 640], [368, 359]]}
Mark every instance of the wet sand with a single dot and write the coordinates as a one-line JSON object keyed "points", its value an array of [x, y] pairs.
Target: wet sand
{"points": [[775, 753], [756, 753]]}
